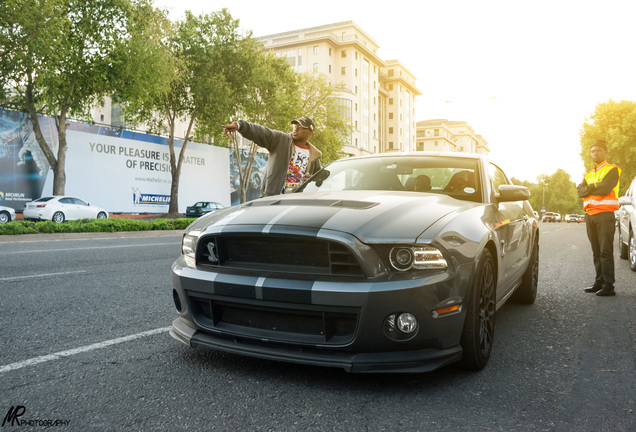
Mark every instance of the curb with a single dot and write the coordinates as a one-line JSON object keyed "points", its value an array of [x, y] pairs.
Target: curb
{"points": [[87, 236]]}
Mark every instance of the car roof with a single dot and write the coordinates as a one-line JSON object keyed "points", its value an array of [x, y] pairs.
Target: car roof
{"points": [[455, 155]]}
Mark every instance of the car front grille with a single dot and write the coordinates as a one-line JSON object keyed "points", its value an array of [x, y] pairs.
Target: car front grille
{"points": [[301, 325], [282, 254]]}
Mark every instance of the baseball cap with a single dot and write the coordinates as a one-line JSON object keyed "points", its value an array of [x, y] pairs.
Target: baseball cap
{"points": [[305, 122], [600, 143]]}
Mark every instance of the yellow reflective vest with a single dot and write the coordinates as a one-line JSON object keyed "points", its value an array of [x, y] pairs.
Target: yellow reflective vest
{"points": [[594, 204]]}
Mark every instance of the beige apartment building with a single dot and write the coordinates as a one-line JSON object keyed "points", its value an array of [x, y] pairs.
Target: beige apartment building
{"points": [[378, 96], [449, 136]]}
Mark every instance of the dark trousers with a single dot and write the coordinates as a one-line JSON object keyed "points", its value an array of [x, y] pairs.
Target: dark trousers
{"points": [[600, 231]]}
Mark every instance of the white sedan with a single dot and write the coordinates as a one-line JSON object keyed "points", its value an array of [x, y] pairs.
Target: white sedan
{"points": [[61, 208], [7, 214]]}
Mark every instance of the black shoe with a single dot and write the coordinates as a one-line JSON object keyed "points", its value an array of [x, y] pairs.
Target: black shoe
{"points": [[606, 292], [592, 289]]}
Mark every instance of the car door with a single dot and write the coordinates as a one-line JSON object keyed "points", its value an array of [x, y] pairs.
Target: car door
{"points": [[514, 228], [83, 209]]}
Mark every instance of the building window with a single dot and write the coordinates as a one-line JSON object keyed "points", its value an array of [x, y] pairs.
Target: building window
{"points": [[436, 132], [356, 124], [316, 49], [101, 117], [390, 86], [436, 143], [315, 66], [390, 145], [343, 70], [329, 68], [356, 92], [390, 116], [329, 52], [344, 53], [390, 101], [390, 130], [391, 72], [356, 73], [356, 107], [356, 55]]}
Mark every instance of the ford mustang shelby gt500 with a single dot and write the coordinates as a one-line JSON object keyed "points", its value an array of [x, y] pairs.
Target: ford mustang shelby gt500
{"points": [[386, 263]]}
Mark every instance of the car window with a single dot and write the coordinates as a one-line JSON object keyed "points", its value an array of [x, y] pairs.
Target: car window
{"points": [[457, 177], [497, 176], [80, 202], [67, 200]]}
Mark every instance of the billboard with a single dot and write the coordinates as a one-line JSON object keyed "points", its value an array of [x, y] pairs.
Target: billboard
{"points": [[121, 171]]}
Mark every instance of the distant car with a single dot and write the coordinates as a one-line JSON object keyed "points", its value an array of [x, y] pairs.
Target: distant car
{"points": [[627, 225], [60, 208], [7, 214], [203, 207], [581, 218], [559, 218], [572, 218], [549, 217], [360, 268]]}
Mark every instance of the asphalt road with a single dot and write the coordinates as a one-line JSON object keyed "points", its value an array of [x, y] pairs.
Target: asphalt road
{"points": [[84, 342]]}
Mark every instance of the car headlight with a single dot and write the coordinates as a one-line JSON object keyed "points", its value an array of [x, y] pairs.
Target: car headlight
{"points": [[189, 247], [417, 257]]}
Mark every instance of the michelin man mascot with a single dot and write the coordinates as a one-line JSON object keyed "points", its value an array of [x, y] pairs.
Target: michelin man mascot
{"points": [[30, 145]]}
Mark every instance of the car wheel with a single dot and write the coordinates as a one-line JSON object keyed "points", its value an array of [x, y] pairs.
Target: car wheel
{"points": [[58, 217], [622, 246], [479, 327], [527, 291], [101, 215], [4, 217], [632, 251]]}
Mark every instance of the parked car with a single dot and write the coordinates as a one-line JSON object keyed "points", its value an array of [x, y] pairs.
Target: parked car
{"points": [[60, 208], [549, 217], [202, 207], [7, 214], [358, 270], [581, 218], [573, 218], [627, 225]]}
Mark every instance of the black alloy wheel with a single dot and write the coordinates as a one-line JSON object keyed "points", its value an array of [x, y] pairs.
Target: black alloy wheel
{"points": [[479, 327]]}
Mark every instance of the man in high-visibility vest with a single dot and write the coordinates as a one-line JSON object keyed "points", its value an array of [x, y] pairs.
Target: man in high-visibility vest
{"points": [[599, 189]]}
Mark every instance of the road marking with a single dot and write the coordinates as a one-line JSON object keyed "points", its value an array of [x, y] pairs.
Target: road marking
{"points": [[89, 248], [62, 354], [15, 278]]}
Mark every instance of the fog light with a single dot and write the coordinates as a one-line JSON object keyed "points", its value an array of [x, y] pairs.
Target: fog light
{"points": [[406, 323], [400, 326]]}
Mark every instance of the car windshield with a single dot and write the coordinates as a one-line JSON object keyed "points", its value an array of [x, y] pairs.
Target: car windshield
{"points": [[457, 177], [200, 204]]}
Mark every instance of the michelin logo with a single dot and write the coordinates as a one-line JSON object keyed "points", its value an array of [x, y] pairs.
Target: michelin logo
{"points": [[149, 199]]}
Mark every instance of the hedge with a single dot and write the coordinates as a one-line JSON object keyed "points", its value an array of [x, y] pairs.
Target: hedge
{"points": [[92, 225]]}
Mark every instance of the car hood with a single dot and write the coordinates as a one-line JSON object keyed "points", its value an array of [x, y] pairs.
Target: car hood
{"points": [[371, 216]]}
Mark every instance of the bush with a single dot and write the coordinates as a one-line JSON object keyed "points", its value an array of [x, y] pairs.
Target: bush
{"points": [[92, 225]]}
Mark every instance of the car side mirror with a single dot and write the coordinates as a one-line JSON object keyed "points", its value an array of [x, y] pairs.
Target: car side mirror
{"points": [[625, 200], [508, 193]]}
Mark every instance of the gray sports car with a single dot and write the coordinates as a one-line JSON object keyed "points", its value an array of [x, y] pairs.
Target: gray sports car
{"points": [[386, 263]]}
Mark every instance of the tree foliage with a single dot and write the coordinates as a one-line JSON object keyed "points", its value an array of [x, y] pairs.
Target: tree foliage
{"points": [[616, 123], [58, 57]]}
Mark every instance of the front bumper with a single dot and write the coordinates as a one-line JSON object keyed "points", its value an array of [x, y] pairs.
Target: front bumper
{"points": [[336, 323], [424, 360]]}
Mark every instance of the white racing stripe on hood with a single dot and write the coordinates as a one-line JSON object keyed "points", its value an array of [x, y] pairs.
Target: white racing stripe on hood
{"points": [[271, 223]]}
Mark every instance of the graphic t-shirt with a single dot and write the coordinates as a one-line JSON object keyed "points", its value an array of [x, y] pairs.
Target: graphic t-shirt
{"points": [[297, 166]]}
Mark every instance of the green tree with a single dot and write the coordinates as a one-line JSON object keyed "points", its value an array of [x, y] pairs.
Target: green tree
{"points": [[558, 192], [318, 101], [616, 123], [202, 81], [58, 58]]}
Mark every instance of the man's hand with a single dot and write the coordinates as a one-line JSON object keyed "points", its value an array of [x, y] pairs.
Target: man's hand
{"points": [[229, 129], [583, 189]]}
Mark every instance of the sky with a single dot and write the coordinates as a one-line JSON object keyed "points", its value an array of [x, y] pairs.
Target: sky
{"points": [[526, 75]]}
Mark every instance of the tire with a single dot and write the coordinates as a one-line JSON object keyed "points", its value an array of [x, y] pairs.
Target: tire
{"points": [[526, 293], [632, 251], [479, 326], [623, 248], [58, 217], [101, 215], [4, 217]]}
